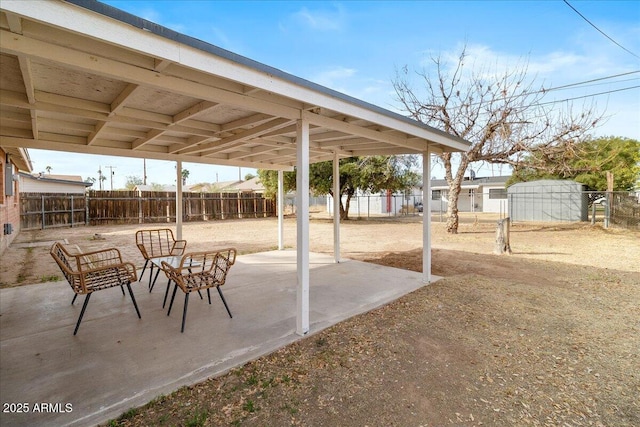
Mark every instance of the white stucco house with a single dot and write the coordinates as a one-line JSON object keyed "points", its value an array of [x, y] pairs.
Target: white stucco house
{"points": [[486, 194]]}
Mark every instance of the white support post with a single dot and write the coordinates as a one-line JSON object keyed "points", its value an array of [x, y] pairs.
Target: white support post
{"points": [[179, 199], [426, 216], [280, 210], [302, 215], [336, 207]]}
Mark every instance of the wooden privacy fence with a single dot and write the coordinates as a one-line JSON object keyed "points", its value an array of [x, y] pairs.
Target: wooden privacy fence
{"points": [[48, 210]]}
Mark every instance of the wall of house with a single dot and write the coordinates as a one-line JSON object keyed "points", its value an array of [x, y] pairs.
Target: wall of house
{"points": [[34, 185], [492, 204], [469, 200], [9, 206], [363, 205]]}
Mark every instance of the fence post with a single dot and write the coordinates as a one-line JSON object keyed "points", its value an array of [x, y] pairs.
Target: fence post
{"points": [[42, 210], [86, 208], [607, 209], [72, 212]]}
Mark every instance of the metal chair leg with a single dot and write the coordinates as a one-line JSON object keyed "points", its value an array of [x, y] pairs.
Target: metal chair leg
{"points": [[154, 280], [74, 299], [166, 293], [175, 288], [224, 301], [209, 295], [133, 299], [84, 307], [122, 289], [146, 261], [184, 312], [150, 274]]}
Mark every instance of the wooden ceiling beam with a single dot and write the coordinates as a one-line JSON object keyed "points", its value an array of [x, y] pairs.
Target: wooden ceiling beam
{"points": [[349, 128], [242, 136], [194, 110]]}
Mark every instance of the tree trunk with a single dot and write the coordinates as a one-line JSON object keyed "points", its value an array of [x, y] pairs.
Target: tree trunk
{"points": [[452, 209]]}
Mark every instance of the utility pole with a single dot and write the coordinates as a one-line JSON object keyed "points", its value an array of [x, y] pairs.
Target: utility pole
{"points": [[111, 168], [144, 165]]}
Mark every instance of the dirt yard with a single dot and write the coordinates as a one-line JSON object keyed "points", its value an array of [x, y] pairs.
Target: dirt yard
{"points": [[547, 336]]}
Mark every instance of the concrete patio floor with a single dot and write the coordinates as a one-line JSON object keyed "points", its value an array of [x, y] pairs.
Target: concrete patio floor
{"points": [[117, 361]]}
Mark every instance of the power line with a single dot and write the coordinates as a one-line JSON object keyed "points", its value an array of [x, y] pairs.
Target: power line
{"points": [[599, 30], [573, 85], [598, 84], [588, 81], [588, 96]]}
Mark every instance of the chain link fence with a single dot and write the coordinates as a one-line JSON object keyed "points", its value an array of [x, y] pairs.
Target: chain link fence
{"points": [[617, 208]]}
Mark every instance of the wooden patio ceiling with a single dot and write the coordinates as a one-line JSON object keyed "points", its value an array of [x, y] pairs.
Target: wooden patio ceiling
{"points": [[81, 76]]}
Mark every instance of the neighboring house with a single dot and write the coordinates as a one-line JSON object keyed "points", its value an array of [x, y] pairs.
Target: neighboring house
{"points": [[383, 203], [252, 185], [156, 187], [488, 194], [213, 187], [48, 183], [12, 160], [225, 186], [206, 187]]}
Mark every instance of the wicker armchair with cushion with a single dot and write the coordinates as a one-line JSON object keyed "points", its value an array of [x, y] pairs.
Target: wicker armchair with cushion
{"points": [[156, 244], [89, 272], [198, 271]]}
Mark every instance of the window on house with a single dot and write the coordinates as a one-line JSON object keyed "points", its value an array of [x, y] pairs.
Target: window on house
{"points": [[497, 193], [436, 194]]}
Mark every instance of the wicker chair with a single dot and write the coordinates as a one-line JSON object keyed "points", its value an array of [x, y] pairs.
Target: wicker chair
{"points": [[198, 271], [94, 271], [156, 244]]}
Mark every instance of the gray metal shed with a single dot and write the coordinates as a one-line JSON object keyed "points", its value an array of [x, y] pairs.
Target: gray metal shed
{"points": [[548, 200]]}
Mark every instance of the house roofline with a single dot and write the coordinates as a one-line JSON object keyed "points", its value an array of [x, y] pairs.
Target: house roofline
{"points": [[43, 178]]}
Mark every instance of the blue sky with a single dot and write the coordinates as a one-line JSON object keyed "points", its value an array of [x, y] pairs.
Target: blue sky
{"points": [[356, 46]]}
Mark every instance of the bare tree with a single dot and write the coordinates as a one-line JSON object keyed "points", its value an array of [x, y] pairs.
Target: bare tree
{"points": [[500, 113]]}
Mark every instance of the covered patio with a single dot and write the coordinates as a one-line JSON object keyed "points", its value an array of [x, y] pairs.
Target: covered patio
{"points": [[118, 361], [81, 76]]}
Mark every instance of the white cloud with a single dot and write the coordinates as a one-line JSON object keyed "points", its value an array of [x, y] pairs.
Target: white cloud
{"points": [[221, 38], [334, 77], [321, 20]]}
